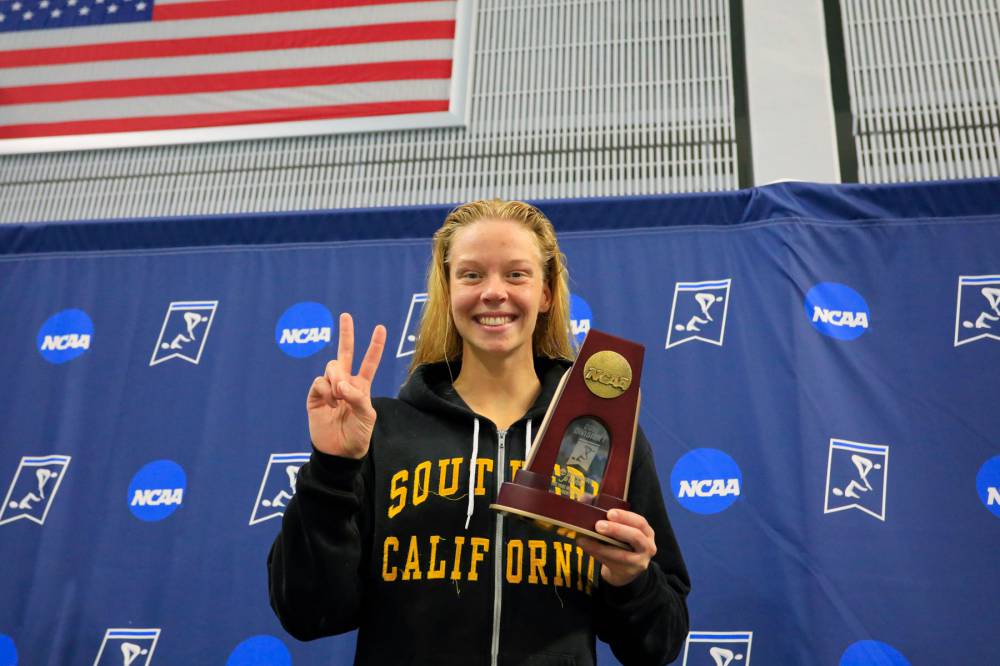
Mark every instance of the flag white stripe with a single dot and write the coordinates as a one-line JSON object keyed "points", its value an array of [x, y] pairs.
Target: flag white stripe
{"points": [[242, 100], [227, 25], [430, 49]]}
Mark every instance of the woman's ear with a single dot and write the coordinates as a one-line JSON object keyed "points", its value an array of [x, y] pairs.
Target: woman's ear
{"points": [[546, 303]]}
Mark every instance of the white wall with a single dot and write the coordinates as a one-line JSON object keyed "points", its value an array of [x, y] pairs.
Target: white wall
{"points": [[792, 130]]}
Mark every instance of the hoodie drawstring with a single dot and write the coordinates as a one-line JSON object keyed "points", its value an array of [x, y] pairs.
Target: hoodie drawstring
{"points": [[527, 443], [473, 464], [472, 473]]}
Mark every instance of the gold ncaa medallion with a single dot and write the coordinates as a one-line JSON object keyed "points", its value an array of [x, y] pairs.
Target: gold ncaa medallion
{"points": [[607, 374]]}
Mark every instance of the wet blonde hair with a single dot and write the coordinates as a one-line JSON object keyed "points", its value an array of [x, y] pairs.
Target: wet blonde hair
{"points": [[438, 339]]}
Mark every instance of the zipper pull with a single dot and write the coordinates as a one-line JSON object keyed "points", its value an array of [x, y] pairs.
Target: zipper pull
{"points": [[501, 458]]}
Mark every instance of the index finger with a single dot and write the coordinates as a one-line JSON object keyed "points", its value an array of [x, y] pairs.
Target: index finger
{"points": [[631, 519], [345, 343], [374, 354]]}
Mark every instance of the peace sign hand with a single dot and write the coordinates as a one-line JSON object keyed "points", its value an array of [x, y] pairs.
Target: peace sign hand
{"points": [[341, 416]]}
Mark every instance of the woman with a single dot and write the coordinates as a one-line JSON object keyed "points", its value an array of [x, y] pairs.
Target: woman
{"points": [[390, 531]]}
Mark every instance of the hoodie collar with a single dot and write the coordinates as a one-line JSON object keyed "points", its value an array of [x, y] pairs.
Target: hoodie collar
{"points": [[430, 388]]}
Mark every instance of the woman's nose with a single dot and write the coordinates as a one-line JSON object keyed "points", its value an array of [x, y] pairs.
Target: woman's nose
{"points": [[494, 289]]}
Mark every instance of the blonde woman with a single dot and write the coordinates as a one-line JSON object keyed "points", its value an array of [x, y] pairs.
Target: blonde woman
{"points": [[390, 532]]}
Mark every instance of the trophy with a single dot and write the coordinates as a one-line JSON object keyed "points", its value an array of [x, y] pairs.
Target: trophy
{"points": [[579, 464]]}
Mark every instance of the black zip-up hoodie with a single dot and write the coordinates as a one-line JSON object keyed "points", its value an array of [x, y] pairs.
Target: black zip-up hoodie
{"points": [[387, 544]]}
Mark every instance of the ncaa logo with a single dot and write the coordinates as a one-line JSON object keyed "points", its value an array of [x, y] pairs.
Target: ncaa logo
{"points": [[699, 312], [258, 651], [717, 648], [856, 476], [837, 311], [8, 651], [157, 490], [33, 489], [277, 486], [408, 340], [580, 317], [65, 335], [706, 481], [988, 485], [865, 653], [304, 329], [184, 331], [977, 312], [127, 647]]}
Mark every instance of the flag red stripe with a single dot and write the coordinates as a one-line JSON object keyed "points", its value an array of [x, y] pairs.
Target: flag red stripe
{"points": [[198, 10], [267, 41], [201, 83], [104, 126]]}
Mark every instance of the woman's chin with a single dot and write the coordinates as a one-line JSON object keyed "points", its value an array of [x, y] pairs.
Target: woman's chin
{"points": [[495, 349]]}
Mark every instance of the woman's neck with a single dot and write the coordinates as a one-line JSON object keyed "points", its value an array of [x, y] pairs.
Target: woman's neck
{"points": [[501, 389]]}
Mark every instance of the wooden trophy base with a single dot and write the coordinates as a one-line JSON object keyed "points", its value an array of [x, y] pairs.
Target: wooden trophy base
{"points": [[555, 511]]}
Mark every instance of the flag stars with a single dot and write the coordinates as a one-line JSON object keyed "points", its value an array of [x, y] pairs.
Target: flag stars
{"points": [[36, 14]]}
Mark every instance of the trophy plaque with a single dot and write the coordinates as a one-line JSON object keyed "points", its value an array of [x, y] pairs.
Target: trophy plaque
{"points": [[579, 464]]}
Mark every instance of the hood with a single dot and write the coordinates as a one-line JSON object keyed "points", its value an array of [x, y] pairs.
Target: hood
{"points": [[430, 389]]}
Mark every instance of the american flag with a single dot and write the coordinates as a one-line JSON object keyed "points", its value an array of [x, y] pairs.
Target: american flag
{"points": [[95, 73]]}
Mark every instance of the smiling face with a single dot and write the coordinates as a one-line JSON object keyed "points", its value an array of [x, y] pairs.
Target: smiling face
{"points": [[498, 288]]}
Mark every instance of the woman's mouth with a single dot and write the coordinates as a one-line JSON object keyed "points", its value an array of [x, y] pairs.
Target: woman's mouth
{"points": [[494, 319]]}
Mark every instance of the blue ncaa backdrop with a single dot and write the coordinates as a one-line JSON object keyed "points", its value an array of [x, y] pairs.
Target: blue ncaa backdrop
{"points": [[820, 390]]}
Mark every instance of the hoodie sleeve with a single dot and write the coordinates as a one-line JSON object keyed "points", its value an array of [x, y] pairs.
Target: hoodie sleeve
{"points": [[646, 621], [317, 563]]}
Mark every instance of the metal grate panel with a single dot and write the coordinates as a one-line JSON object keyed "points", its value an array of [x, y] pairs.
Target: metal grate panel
{"points": [[571, 98], [924, 85]]}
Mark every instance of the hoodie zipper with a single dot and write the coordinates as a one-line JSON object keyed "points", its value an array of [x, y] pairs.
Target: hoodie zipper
{"points": [[498, 554]]}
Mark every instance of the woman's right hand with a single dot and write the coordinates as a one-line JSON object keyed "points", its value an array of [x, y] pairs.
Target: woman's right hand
{"points": [[341, 416]]}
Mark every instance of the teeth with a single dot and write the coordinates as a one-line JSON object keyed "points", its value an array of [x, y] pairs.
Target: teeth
{"points": [[494, 321]]}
